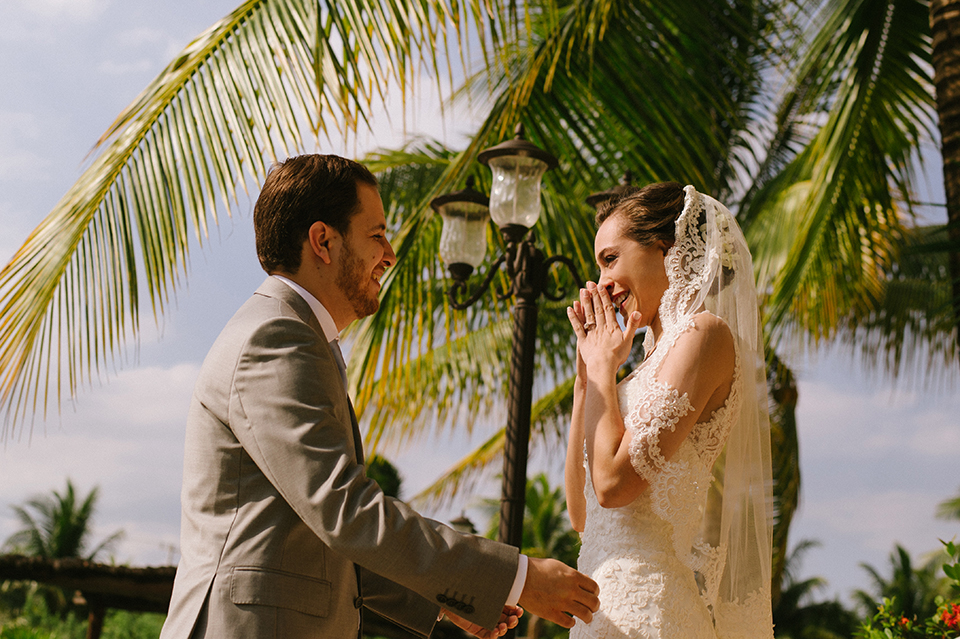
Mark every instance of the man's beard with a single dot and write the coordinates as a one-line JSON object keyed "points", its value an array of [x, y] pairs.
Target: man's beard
{"points": [[355, 284]]}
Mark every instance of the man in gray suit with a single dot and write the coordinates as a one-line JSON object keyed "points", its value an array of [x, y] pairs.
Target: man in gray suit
{"points": [[283, 534]]}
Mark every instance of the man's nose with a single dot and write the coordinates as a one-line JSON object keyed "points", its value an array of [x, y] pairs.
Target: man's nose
{"points": [[389, 257]]}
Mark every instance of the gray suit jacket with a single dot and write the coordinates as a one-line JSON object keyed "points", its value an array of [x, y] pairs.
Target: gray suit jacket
{"points": [[279, 520]]}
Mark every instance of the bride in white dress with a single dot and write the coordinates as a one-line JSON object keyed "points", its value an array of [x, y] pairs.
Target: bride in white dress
{"points": [[668, 472]]}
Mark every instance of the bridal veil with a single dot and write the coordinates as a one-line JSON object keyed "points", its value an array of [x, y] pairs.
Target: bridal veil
{"points": [[710, 268]]}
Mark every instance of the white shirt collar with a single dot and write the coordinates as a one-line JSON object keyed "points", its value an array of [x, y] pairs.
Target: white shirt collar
{"points": [[323, 315]]}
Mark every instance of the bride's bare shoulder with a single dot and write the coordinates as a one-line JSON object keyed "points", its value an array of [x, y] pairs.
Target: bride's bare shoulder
{"points": [[708, 339], [710, 327]]}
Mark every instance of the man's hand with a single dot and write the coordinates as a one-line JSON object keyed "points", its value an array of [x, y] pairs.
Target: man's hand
{"points": [[509, 618], [557, 592]]}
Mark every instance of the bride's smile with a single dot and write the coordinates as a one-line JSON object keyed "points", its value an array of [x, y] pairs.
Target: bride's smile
{"points": [[633, 273]]}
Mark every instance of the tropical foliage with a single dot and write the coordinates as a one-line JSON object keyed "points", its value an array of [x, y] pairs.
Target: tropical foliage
{"points": [[59, 525], [546, 528], [893, 618], [29, 617], [55, 526], [909, 591], [798, 615], [385, 474], [949, 508]]}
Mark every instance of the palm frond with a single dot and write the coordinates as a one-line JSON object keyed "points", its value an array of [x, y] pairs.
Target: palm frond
{"points": [[545, 416], [578, 107], [667, 118], [848, 192], [239, 95], [909, 333]]}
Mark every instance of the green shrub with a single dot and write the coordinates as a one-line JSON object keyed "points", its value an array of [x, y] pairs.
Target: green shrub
{"points": [[889, 623]]}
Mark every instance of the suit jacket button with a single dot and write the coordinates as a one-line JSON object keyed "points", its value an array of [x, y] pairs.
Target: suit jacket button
{"points": [[468, 610], [442, 599], [461, 605], [358, 602]]}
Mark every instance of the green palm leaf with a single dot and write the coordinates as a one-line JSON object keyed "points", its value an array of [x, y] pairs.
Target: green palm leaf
{"points": [[239, 95], [59, 525], [846, 194], [906, 332], [547, 417]]}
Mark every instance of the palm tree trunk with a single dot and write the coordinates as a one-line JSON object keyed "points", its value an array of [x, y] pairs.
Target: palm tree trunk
{"points": [[784, 444], [945, 29]]}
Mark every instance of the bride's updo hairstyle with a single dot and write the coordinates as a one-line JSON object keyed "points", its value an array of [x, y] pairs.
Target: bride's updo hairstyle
{"points": [[649, 213]]}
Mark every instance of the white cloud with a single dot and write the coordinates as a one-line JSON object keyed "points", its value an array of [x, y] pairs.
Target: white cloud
{"points": [[19, 160], [148, 398], [140, 36], [879, 520], [938, 434], [875, 463], [126, 67], [146, 545], [140, 52], [125, 437], [864, 423]]}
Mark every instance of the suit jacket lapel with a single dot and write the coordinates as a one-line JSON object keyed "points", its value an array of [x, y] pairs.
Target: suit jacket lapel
{"points": [[273, 287], [357, 440]]}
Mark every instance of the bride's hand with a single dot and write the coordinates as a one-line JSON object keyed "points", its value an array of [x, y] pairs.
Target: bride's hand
{"points": [[576, 317], [601, 346]]}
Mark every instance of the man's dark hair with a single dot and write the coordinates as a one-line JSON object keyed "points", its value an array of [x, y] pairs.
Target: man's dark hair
{"points": [[298, 192]]}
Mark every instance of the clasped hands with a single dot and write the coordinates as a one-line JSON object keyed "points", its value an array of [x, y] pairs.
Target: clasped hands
{"points": [[509, 618], [601, 344], [553, 591]]}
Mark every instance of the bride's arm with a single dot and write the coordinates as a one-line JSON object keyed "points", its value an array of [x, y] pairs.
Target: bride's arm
{"points": [[574, 475], [614, 481], [614, 476], [603, 350]]}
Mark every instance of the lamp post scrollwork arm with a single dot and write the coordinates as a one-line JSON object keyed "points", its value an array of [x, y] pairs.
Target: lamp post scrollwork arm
{"points": [[459, 287]]}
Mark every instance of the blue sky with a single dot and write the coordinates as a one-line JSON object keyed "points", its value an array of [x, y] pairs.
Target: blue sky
{"points": [[875, 459]]}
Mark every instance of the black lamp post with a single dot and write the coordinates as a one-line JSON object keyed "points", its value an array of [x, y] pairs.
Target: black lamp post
{"points": [[514, 205]]}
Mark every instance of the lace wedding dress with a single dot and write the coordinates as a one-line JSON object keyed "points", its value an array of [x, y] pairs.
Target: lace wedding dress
{"points": [[690, 557], [635, 554]]}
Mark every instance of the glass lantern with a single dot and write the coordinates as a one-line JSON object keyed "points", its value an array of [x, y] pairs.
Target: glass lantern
{"points": [[515, 192], [517, 166], [463, 239]]}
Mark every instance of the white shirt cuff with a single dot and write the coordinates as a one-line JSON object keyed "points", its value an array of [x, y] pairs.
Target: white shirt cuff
{"points": [[518, 582]]}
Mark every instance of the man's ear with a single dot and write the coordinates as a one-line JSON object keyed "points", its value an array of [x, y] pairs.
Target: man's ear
{"points": [[320, 235]]}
